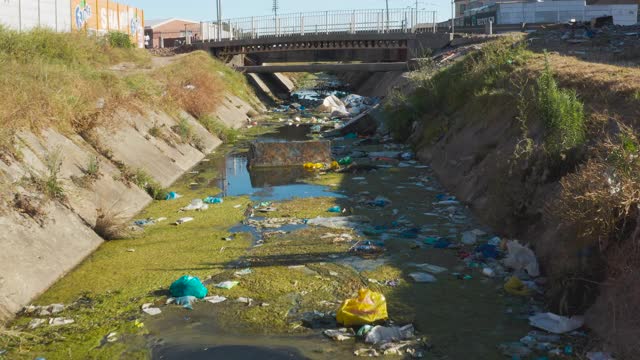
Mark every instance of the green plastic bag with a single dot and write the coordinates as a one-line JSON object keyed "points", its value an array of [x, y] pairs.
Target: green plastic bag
{"points": [[345, 161], [188, 286]]}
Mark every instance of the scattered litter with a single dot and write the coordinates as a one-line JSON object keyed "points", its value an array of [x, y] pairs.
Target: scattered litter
{"points": [[367, 308], [478, 232], [343, 222], [442, 244], [366, 353], [335, 209], [112, 337], [515, 349], [215, 299], [382, 334], [147, 308], [173, 196], [243, 272], [469, 238], [555, 323], [434, 269], [421, 277], [213, 200], [184, 301], [196, 205], [521, 258], [515, 286], [227, 284], [34, 323], [60, 321], [145, 222], [188, 286], [489, 272], [340, 334], [245, 300], [599, 356], [184, 220]]}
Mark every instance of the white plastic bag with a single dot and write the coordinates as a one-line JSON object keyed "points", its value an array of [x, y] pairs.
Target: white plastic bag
{"points": [[555, 323], [521, 258], [382, 334]]}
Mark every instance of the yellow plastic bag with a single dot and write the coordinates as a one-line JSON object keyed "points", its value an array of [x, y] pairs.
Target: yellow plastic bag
{"points": [[314, 166], [516, 287], [367, 308]]}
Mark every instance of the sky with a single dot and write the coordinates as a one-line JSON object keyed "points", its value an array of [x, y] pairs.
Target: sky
{"points": [[203, 10]]}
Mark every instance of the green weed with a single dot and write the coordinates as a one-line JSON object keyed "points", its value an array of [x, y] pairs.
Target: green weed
{"points": [[119, 40], [51, 185], [216, 127], [478, 75], [561, 112], [93, 167]]}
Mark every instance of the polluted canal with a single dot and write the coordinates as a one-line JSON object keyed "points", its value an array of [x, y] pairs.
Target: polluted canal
{"points": [[280, 249]]}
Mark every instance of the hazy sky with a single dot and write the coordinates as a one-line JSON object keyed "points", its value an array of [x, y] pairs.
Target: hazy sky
{"points": [[201, 10]]}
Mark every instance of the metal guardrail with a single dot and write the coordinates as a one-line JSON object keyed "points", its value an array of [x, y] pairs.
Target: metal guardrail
{"points": [[321, 22]]}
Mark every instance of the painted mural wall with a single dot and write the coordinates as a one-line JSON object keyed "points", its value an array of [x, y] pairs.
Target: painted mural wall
{"points": [[103, 16], [92, 16]]}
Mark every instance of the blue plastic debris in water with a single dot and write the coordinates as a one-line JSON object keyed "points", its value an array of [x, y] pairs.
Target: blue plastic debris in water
{"points": [[442, 244], [351, 136], [445, 197], [335, 209], [213, 200], [172, 196], [488, 251], [431, 240], [188, 286], [410, 234], [186, 301], [568, 350]]}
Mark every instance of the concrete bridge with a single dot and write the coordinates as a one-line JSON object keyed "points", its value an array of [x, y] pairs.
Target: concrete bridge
{"points": [[369, 36]]}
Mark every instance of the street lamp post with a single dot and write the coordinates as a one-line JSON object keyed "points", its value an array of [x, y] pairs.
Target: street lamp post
{"points": [[219, 11], [453, 26], [387, 15]]}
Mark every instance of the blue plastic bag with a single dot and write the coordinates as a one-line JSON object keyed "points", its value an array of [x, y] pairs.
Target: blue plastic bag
{"points": [[213, 200], [188, 286]]}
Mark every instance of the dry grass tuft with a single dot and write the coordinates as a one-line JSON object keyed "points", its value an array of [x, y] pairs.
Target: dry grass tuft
{"points": [[111, 225], [30, 206], [193, 85]]}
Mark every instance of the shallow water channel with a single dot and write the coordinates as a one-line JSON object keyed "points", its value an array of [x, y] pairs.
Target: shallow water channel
{"points": [[464, 314]]}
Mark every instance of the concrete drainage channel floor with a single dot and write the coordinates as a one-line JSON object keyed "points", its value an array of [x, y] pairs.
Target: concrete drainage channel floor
{"points": [[463, 313], [464, 318]]}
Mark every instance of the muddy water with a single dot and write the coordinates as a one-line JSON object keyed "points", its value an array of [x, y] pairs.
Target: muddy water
{"points": [[464, 314]]}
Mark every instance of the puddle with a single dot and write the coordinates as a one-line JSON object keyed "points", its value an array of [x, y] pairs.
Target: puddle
{"points": [[268, 184], [258, 235]]}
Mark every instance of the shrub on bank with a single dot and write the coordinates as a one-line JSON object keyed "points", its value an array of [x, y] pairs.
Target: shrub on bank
{"points": [[561, 112], [120, 40]]}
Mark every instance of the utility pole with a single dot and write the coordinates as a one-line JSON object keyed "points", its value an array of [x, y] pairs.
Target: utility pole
{"points": [[219, 11], [275, 15], [387, 15], [453, 15]]}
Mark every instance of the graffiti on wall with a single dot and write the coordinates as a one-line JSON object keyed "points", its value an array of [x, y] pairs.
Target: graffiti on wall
{"points": [[103, 16]]}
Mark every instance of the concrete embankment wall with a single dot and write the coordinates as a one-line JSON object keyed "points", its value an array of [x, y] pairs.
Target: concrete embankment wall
{"points": [[39, 249]]}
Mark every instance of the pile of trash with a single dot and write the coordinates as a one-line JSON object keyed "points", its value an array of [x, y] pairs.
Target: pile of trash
{"points": [[363, 318], [586, 39], [46, 311]]}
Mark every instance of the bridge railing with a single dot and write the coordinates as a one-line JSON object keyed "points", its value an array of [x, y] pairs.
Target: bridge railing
{"points": [[321, 22]]}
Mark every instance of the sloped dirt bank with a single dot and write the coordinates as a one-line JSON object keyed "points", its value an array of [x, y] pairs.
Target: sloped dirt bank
{"points": [[480, 124]]}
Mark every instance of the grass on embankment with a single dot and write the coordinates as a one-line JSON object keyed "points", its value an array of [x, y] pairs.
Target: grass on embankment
{"points": [[68, 81]]}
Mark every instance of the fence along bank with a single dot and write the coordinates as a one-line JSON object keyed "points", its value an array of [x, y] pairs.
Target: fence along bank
{"points": [[96, 17]]}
